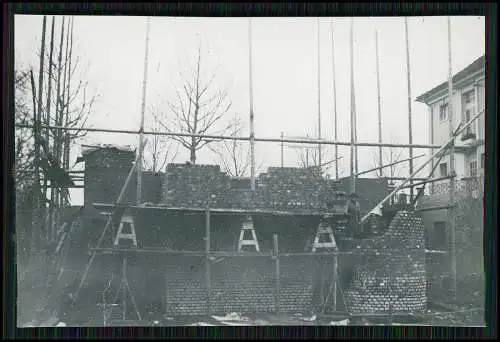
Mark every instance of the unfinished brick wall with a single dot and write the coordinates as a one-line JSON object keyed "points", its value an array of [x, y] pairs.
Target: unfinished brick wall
{"points": [[244, 285], [392, 273], [194, 185], [298, 189], [278, 189]]}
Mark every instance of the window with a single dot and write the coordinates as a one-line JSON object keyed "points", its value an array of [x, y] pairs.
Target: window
{"points": [[443, 112], [473, 169], [468, 107], [467, 118], [438, 238], [482, 161], [443, 170], [467, 97]]}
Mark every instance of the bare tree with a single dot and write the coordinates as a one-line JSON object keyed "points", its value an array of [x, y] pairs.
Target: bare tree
{"points": [[308, 157], [24, 144], [159, 150], [63, 101], [389, 156], [198, 108], [234, 155], [24, 170]]}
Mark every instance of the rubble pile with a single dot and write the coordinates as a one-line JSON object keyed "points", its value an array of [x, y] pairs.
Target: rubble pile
{"points": [[393, 274]]}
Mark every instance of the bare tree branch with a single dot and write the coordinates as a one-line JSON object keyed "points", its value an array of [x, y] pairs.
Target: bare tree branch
{"points": [[198, 107]]}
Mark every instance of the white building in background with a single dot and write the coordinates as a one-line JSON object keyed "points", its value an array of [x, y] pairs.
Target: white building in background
{"points": [[468, 97]]}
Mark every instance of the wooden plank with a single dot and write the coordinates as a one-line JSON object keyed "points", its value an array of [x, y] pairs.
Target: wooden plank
{"points": [[103, 206]]}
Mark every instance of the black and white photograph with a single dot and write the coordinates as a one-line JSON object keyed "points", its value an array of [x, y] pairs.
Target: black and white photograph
{"points": [[249, 171]]}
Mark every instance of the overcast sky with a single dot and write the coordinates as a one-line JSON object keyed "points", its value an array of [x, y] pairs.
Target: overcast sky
{"points": [[284, 72]]}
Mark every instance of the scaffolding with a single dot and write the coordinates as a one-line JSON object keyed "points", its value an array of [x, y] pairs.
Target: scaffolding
{"points": [[252, 138]]}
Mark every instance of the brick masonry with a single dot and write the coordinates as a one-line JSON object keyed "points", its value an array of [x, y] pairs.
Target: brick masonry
{"points": [[392, 274], [292, 189], [245, 285], [249, 284]]}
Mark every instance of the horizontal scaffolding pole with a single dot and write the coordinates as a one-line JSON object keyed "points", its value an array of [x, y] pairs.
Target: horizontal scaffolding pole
{"points": [[108, 206], [442, 207], [426, 182], [386, 165], [404, 178], [225, 137], [219, 254]]}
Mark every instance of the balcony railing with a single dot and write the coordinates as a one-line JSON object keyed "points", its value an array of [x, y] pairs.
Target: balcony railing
{"points": [[471, 186]]}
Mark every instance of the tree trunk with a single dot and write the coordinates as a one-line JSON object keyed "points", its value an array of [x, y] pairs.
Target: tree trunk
{"points": [[47, 122], [193, 154], [38, 198], [67, 140], [57, 133]]}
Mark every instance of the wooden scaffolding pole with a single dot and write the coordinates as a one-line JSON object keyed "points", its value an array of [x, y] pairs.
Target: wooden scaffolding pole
{"points": [[353, 114], [143, 110], [335, 104], [452, 165], [277, 263], [124, 290], [386, 165], [229, 137], [207, 261], [108, 223], [438, 152], [319, 96], [282, 149], [410, 129], [379, 107], [39, 202], [252, 132]]}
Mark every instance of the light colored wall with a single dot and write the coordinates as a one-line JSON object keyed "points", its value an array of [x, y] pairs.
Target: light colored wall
{"points": [[439, 133]]}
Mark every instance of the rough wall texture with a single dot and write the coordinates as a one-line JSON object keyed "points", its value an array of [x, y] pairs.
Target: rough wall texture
{"points": [[194, 185], [279, 189], [109, 157], [392, 274], [468, 215], [245, 285]]}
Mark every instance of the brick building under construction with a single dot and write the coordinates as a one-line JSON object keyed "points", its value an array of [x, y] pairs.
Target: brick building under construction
{"points": [[201, 243]]}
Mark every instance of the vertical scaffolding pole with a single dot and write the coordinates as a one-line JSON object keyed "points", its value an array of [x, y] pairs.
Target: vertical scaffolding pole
{"points": [[431, 124], [207, 260], [410, 133], [143, 110], [381, 172], [252, 133], [452, 165], [353, 112], [124, 289], [276, 255], [39, 202], [335, 106], [282, 147], [319, 101]]}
